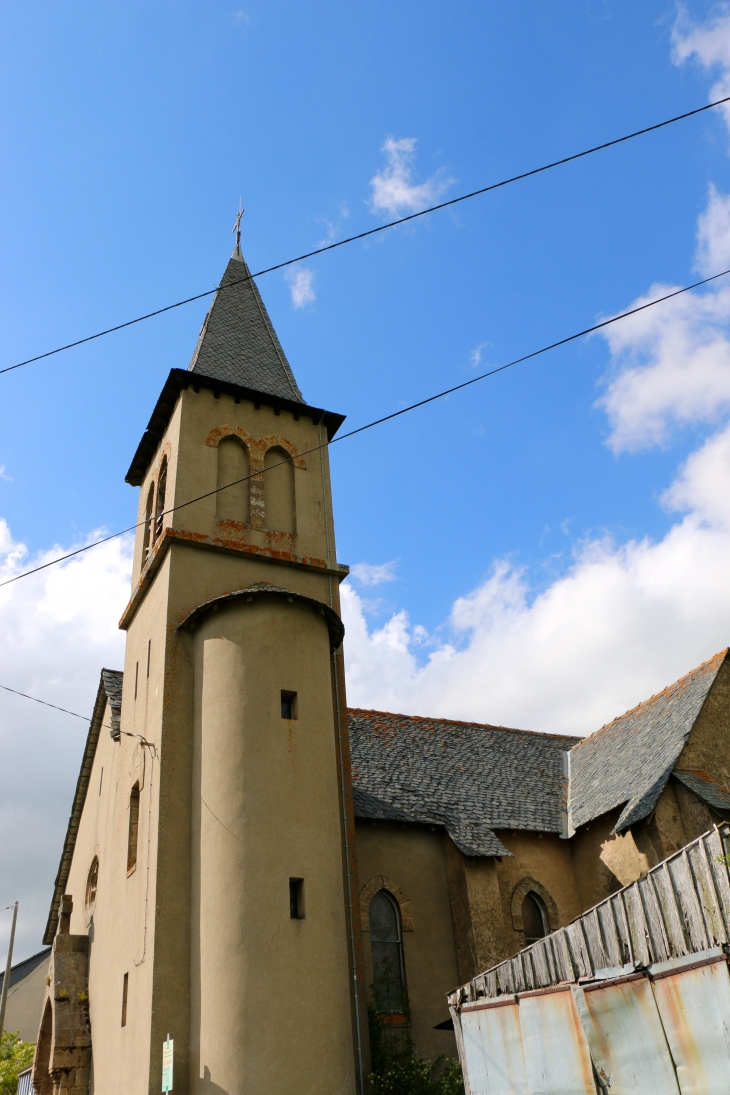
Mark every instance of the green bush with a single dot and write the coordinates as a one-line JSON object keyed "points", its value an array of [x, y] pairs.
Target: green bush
{"points": [[15, 1055], [398, 1070]]}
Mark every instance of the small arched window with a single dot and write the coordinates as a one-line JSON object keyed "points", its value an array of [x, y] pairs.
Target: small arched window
{"points": [[232, 503], [279, 490], [92, 883], [534, 918], [148, 532], [133, 828], [386, 946], [160, 507]]}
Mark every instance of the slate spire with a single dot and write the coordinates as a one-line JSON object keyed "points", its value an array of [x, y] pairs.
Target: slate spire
{"points": [[237, 341]]}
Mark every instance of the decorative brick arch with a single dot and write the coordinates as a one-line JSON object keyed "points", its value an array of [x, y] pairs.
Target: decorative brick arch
{"points": [[273, 442], [530, 885], [215, 436], [257, 449], [368, 892]]}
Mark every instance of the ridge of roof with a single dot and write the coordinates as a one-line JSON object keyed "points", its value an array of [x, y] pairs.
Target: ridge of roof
{"points": [[651, 699], [629, 761], [237, 341], [109, 691], [461, 722]]}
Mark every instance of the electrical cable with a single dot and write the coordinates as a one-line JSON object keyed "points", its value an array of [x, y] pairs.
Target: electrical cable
{"points": [[373, 231], [376, 422], [44, 702]]}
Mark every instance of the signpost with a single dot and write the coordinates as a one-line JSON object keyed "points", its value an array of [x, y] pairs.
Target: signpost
{"points": [[167, 1065]]}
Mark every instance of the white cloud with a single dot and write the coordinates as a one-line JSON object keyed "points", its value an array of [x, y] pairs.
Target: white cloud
{"points": [[477, 354], [4, 475], [373, 575], [300, 280], [707, 43], [622, 623], [713, 235], [671, 366], [57, 629], [241, 18], [394, 192]]}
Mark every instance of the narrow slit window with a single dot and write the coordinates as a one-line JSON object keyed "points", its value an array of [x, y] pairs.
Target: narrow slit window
{"points": [[125, 988], [136, 678], [149, 655], [133, 828], [296, 898], [288, 705], [101, 780]]}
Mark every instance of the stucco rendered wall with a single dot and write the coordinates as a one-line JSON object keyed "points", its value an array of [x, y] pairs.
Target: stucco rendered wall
{"points": [[412, 856], [24, 1004], [270, 999]]}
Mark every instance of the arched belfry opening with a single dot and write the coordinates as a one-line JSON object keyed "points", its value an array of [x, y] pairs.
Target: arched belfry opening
{"points": [[534, 918], [279, 506], [233, 466]]}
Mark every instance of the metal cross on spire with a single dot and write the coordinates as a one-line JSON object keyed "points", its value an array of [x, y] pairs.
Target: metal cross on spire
{"points": [[237, 226]]}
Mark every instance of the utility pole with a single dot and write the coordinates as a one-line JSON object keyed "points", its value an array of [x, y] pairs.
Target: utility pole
{"points": [[8, 964]]}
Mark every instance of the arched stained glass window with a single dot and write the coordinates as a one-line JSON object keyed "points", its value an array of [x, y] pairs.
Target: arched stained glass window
{"points": [[534, 918], [386, 945]]}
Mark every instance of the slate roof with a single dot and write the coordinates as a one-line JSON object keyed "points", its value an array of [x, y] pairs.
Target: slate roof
{"points": [[468, 777], [110, 690], [237, 341], [628, 762], [705, 788], [22, 969]]}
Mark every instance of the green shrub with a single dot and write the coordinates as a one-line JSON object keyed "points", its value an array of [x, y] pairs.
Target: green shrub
{"points": [[15, 1055], [398, 1070]]}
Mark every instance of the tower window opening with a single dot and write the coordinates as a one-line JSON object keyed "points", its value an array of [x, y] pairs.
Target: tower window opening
{"points": [[136, 678], [279, 506], [233, 487], [288, 705], [386, 948], [534, 918], [160, 506], [92, 883], [148, 522], [149, 655], [125, 988], [133, 828], [296, 898]]}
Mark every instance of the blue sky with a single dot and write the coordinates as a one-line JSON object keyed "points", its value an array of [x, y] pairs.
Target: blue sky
{"points": [[502, 519]]}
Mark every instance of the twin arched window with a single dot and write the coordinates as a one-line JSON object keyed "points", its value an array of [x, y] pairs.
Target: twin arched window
{"points": [[386, 947], [232, 502], [154, 511]]}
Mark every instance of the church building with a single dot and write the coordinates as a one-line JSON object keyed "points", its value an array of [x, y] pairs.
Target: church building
{"points": [[250, 866]]}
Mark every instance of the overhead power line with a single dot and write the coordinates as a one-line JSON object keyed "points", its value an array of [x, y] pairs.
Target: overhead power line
{"points": [[371, 232], [44, 702], [378, 421]]}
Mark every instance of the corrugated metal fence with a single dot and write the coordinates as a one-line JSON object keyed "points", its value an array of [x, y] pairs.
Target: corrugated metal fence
{"points": [[632, 998]]}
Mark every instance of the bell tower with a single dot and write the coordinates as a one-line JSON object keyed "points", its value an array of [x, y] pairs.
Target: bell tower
{"points": [[234, 671]]}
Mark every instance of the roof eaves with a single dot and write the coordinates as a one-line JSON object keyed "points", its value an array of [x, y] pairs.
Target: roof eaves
{"points": [[82, 786], [179, 380]]}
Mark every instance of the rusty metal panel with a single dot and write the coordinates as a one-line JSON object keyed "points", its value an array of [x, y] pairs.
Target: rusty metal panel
{"points": [[626, 1038], [493, 1049], [557, 1061], [694, 1005]]}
